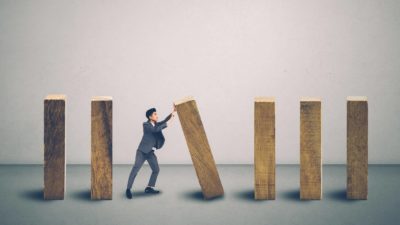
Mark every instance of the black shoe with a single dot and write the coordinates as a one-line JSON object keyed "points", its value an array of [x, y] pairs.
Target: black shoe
{"points": [[128, 193], [151, 190]]}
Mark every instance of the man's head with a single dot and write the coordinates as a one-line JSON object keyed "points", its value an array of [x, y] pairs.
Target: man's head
{"points": [[151, 114]]}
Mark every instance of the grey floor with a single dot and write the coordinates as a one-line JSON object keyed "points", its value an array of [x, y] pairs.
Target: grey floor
{"points": [[181, 201]]}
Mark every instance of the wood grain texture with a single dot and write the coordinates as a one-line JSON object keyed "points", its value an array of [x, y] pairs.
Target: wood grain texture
{"points": [[101, 153], [264, 148], [310, 149], [357, 148], [199, 148], [54, 147]]}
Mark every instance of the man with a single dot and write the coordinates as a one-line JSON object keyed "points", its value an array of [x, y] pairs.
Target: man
{"points": [[152, 139]]}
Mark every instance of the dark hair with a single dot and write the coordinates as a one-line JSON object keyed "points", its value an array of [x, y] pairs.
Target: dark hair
{"points": [[150, 112]]}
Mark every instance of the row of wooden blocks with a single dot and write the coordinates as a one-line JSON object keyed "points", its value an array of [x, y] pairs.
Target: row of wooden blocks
{"points": [[310, 148], [54, 147], [200, 151]]}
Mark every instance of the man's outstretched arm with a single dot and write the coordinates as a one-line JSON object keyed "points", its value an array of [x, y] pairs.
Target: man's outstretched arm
{"points": [[150, 128], [169, 116], [166, 118]]}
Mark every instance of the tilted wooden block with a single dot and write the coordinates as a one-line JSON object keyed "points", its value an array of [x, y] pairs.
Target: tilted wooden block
{"points": [[264, 148], [310, 149], [101, 154], [199, 148], [54, 147], [357, 147]]}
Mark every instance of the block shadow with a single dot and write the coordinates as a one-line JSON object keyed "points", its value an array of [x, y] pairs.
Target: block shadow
{"points": [[249, 195], [341, 195], [35, 195], [246, 195], [82, 195], [337, 195], [198, 196], [293, 195]]}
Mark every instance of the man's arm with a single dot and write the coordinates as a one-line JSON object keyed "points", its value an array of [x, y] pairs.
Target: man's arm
{"points": [[166, 119], [153, 129]]}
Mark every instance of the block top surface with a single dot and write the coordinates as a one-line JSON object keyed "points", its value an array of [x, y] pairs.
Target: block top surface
{"points": [[264, 99], [186, 99], [310, 99], [357, 98], [55, 97], [102, 98]]}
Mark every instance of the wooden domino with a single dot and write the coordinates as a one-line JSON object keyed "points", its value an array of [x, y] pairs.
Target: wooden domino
{"points": [[199, 148], [264, 148], [101, 148], [54, 147], [357, 147], [310, 149]]}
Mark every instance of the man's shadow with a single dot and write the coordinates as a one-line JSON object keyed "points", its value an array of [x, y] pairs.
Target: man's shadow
{"points": [[86, 195], [139, 194]]}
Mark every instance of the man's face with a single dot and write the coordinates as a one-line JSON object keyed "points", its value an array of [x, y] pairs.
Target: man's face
{"points": [[154, 117]]}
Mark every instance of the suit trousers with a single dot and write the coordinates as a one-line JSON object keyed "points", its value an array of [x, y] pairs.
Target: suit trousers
{"points": [[139, 160]]}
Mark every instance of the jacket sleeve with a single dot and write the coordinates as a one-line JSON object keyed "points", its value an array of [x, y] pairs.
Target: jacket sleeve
{"points": [[166, 119], [153, 129]]}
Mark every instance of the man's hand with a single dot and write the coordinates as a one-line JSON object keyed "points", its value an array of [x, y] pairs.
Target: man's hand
{"points": [[174, 108], [172, 114]]}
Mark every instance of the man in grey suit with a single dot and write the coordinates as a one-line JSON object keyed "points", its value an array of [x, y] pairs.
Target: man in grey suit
{"points": [[152, 139]]}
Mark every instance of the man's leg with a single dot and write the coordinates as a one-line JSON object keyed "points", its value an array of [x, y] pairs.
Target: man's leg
{"points": [[152, 160], [139, 160]]}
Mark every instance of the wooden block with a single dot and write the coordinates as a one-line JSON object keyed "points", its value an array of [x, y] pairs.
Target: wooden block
{"points": [[54, 147], [264, 148], [310, 149], [101, 154], [357, 147], [199, 148]]}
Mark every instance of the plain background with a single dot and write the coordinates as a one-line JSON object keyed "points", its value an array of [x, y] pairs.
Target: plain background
{"points": [[148, 53]]}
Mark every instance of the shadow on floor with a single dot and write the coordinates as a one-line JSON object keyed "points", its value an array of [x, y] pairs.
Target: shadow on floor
{"points": [[36, 195], [143, 194], [337, 195], [293, 195], [246, 195], [340, 195], [82, 195], [86, 195], [198, 195]]}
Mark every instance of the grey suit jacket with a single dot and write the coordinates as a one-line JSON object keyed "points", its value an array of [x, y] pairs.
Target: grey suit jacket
{"points": [[152, 135]]}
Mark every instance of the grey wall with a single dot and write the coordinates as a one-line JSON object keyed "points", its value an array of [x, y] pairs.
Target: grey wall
{"points": [[148, 53]]}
